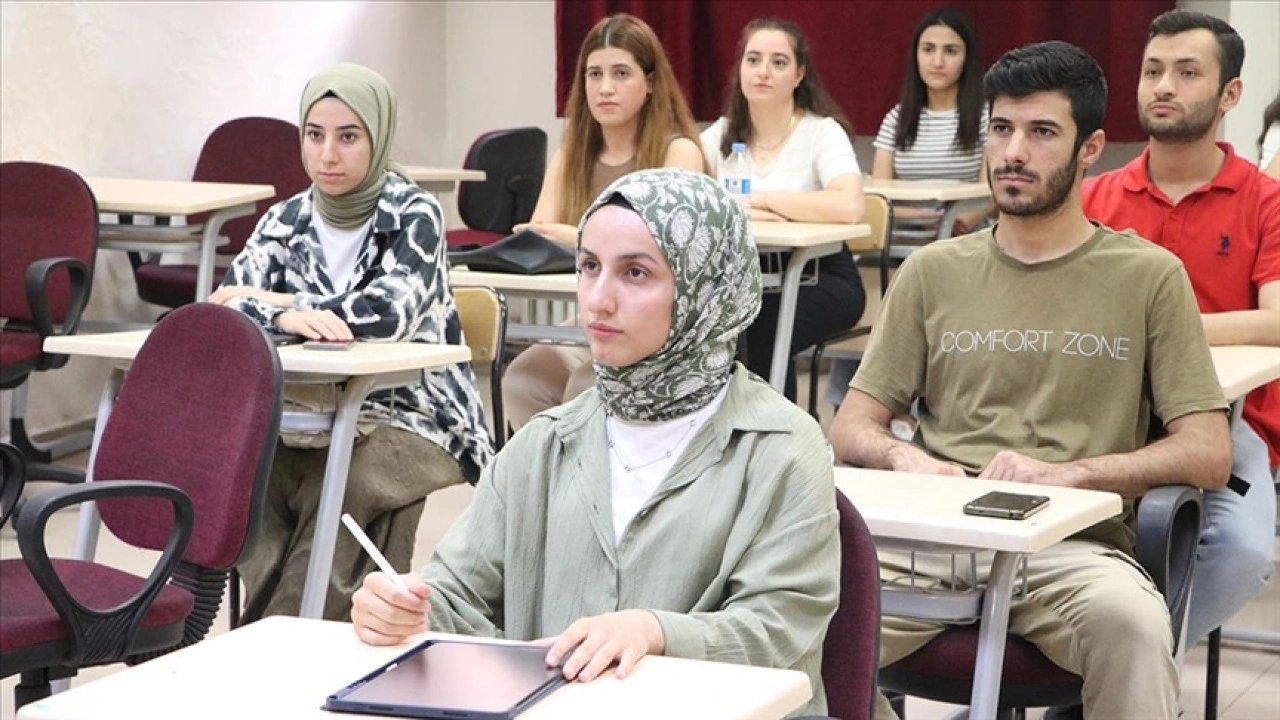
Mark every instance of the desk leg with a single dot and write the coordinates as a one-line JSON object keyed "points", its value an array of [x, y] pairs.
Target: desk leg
{"points": [[209, 245], [947, 225], [336, 466], [87, 529], [789, 293], [992, 633]]}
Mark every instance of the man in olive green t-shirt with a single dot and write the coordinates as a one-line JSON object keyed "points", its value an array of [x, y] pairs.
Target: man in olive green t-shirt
{"points": [[1039, 350]]}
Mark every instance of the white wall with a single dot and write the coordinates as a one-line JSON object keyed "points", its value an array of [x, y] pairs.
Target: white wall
{"points": [[131, 89]]}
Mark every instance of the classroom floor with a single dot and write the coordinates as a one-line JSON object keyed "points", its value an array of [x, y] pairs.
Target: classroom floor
{"points": [[1249, 688]]}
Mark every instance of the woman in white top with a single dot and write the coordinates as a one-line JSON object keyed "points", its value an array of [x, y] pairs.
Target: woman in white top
{"points": [[939, 127], [625, 112], [803, 168], [1269, 140]]}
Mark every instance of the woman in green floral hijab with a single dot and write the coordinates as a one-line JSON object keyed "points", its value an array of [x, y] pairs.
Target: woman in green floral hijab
{"points": [[706, 241], [680, 507]]}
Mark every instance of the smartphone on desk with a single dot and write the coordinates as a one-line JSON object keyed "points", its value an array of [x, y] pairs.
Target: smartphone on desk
{"points": [[328, 344], [1010, 506]]}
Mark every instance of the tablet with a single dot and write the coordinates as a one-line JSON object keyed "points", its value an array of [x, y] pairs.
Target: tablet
{"points": [[455, 680]]}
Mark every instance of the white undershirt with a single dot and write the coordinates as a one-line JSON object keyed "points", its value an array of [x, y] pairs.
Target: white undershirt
{"points": [[650, 449], [341, 248]]}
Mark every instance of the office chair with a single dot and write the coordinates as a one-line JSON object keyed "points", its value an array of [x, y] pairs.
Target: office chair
{"points": [[483, 313], [249, 150], [514, 162], [48, 242], [1168, 531], [878, 214], [181, 467]]}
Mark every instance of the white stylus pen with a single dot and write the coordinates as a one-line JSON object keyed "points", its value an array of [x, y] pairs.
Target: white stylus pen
{"points": [[378, 558]]}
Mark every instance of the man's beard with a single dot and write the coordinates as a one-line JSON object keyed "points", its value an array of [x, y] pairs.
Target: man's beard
{"points": [[1195, 123], [1056, 191]]}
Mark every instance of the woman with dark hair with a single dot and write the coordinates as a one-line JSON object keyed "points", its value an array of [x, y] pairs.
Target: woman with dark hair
{"points": [[803, 168], [939, 126], [625, 112], [1269, 140]]}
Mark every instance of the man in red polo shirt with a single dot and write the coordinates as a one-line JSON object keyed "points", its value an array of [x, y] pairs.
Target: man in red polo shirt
{"points": [[1221, 216]]}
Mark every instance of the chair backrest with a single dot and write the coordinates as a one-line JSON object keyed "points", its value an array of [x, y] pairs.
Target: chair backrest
{"points": [[878, 213], [46, 211], [482, 312], [200, 409], [514, 162], [851, 653], [255, 151]]}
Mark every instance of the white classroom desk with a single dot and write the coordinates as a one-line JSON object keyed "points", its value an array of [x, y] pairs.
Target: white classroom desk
{"points": [[955, 197], [440, 179], [805, 242], [171, 199], [357, 372], [925, 512], [283, 668]]}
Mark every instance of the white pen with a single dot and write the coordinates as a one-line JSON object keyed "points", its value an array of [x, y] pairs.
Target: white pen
{"points": [[378, 558]]}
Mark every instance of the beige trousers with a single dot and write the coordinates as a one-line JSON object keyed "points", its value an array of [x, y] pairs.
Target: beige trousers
{"points": [[1090, 609], [392, 472], [542, 377]]}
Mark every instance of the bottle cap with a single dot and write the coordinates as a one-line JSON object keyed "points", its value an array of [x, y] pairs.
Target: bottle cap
{"points": [[739, 147]]}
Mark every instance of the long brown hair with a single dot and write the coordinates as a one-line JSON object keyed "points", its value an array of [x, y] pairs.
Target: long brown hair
{"points": [[665, 112], [809, 95]]}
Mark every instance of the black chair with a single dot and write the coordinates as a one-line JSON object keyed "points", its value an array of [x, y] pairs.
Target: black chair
{"points": [[514, 162]]}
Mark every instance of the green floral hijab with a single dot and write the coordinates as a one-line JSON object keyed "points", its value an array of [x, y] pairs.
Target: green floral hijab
{"points": [[707, 241], [370, 97]]}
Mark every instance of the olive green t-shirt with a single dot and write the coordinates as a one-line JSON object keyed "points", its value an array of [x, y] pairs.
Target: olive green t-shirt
{"points": [[1059, 360]]}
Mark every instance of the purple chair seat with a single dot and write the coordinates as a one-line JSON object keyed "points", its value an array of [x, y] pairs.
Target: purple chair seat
{"points": [[466, 236], [31, 620], [171, 285], [19, 353]]}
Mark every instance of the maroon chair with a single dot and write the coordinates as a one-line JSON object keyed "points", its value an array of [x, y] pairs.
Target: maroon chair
{"points": [[48, 241], [251, 150], [851, 652], [1168, 531], [193, 430], [514, 162]]}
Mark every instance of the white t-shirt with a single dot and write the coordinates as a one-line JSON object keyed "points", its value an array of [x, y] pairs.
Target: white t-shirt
{"points": [[817, 152], [341, 248], [1270, 145], [642, 453], [934, 155]]}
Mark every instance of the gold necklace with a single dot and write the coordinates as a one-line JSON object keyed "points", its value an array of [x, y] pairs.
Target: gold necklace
{"points": [[770, 148]]}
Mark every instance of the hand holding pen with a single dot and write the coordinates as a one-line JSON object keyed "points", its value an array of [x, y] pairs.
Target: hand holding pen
{"points": [[389, 606]]}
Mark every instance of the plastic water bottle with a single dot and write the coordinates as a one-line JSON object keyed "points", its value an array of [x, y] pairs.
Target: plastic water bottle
{"points": [[735, 173]]}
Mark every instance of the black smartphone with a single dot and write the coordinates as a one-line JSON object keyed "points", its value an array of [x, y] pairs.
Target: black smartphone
{"points": [[1010, 506], [328, 344]]}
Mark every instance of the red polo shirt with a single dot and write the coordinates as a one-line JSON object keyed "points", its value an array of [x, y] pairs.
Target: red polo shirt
{"points": [[1227, 233]]}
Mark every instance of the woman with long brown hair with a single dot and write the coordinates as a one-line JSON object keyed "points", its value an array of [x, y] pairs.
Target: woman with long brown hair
{"points": [[803, 168], [625, 112]]}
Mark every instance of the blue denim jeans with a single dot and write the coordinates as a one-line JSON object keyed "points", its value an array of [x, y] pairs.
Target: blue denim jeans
{"points": [[1234, 561]]}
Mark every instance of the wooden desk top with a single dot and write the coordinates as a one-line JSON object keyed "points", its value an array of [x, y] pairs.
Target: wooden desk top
{"points": [[929, 508], [551, 284], [425, 173], [364, 358], [1241, 368], [171, 197], [285, 667], [926, 190], [791, 235]]}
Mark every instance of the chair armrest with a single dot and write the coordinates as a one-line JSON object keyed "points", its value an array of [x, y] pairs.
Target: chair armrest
{"points": [[38, 294], [13, 477], [1168, 529], [95, 635]]}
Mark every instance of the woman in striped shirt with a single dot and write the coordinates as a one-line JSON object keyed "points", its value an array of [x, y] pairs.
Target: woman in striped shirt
{"points": [[939, 126]]}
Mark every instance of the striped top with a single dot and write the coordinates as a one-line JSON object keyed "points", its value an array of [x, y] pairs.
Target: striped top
{"points": [[934, 155]]}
